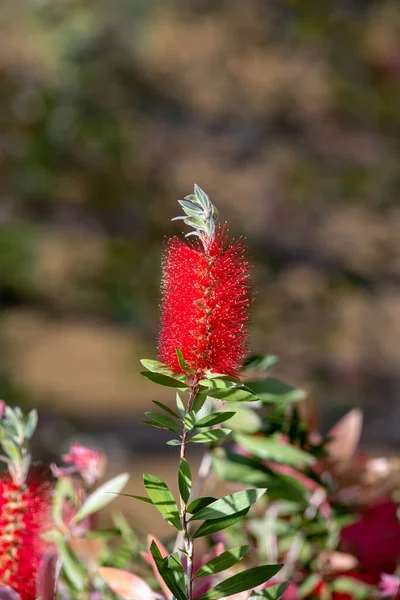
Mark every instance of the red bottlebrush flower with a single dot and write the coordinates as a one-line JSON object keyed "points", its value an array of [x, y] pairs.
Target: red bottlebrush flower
{"points": [[23, 518], [205, 306]]}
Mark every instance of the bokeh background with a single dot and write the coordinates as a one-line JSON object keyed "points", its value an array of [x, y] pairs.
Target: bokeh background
{"points": [[286, 112]]}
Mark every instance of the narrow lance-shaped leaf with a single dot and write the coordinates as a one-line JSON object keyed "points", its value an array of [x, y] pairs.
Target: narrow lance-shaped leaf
{"points": [[275, 592], [167, 409], [184, 480], [155, 366], [246, 580], [274, 450], [163, 420], [214, 419], [182, 362], [199, 503], [172, 561], [233, 394], [164, 380], [230, 505], [272, 390], [170, 577], [101, 497], [214, 525], [222, 561], [210, 436], [162, 499]]}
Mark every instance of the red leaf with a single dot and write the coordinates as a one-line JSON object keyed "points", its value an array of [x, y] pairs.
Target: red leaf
{"points": [[345, 437], [48, 576], [126, 584]]}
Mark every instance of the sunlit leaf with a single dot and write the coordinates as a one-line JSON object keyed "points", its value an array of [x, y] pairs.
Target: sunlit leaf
{"points": [[275, 592], [222, 561], [125, 584], [101, 497], [237, 468], [162, 499], [214, 419], [274, 450], [246, 580], [164, 380], [199, 503], [210, 436], [170, 577], [214, 525], [272, 390], [229, 505]]}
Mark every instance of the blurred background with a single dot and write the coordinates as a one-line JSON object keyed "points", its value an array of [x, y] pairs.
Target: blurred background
{"points": [[286, 112]]}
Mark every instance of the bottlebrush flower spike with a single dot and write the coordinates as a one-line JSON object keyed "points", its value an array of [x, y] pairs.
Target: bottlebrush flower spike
{"points": [[24, 506], [23, 517], [206, 291]]}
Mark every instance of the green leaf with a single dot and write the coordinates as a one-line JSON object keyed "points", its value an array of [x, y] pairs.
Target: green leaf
{"points": [[190, 420], [272, 390], [246, 580], [222, 561], [199, 503], [180, 405], [214, 525], [70, 565], [309, 584], [155, 366], [220, 382], [199, 401], [233, 394], [182, 362], [262, 362], [184, 480], [275, 592], [101, 497], [163, 420], [167, 409], [230, 505], [162, 499], [215, 419], [210, 436], [174, 442], [274, 450], [173, 562], [64, 490], [11, 450], [230, 466], [141, 498], [246, 420], [202, 197], [164, 380], [171, 577], [30, 424], [348, 585]]}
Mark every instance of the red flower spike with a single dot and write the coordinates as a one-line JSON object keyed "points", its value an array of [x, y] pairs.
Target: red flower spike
{"points": [[205, 305], [23, 518]]}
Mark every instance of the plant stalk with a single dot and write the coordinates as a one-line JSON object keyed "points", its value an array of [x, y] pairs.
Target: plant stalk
{"points": [[187, 540]]}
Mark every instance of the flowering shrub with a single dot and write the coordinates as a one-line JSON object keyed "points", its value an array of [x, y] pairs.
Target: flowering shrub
{"points": [[305, 516]]}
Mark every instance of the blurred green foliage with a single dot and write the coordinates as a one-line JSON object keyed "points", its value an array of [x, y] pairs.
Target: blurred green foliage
{"points": [[285, 112]]}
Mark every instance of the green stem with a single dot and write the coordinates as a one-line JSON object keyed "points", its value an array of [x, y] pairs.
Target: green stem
{"points": [[187, 540]]}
